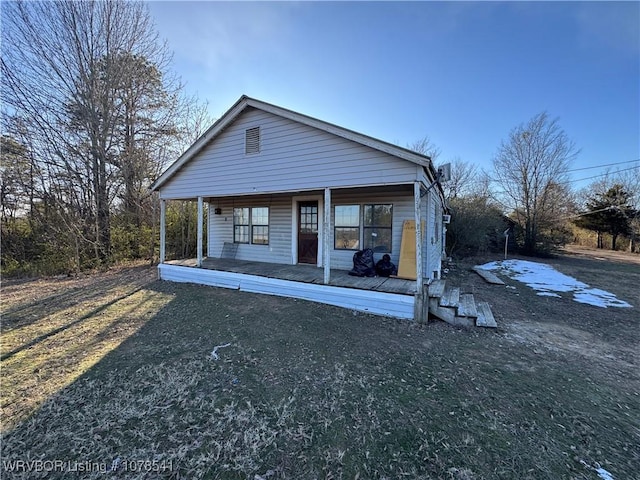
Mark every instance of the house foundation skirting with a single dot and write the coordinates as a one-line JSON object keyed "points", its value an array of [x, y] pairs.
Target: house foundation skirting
{"points": [[378, 303]]}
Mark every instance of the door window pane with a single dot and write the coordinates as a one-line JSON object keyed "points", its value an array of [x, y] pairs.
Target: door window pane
{"points": [[309, 218]]}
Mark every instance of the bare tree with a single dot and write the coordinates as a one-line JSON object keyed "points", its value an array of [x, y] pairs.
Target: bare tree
{"points": [[528, 167], [466, 180], [90, 82], [426, 147]]}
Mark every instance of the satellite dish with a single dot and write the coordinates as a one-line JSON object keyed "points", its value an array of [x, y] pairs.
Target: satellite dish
{"points": [[444, 172]]}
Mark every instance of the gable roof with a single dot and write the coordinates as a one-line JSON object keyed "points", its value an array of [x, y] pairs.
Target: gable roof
{"points": [[245, 102]]}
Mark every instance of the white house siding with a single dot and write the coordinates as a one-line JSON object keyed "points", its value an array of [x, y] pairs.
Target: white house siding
{"points": [[292, 156], [221, 228], [280, 227], [379, 303], [433, 238], [402, 210]]}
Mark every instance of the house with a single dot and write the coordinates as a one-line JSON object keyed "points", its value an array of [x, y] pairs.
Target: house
{"points": [[291, 198]]}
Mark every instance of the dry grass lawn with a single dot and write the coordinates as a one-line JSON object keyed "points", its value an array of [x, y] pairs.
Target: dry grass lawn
{"points": [[113, 371]]}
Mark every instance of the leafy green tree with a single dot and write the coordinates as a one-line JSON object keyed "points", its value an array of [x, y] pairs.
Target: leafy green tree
{"points": [[609, 212]]}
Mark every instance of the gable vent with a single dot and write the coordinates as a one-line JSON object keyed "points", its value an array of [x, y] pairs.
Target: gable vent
{"points": [[252, 140]]}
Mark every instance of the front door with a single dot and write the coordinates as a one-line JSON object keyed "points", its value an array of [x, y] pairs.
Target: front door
{"points": [[308, 232]]}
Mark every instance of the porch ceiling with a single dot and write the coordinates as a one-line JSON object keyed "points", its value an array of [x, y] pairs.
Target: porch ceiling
{"points": [[373, 190]]}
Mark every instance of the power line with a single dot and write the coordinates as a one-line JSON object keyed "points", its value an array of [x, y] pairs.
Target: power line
{"points": [[586, 213], [597, 176], [491, 179], [604, 165]]}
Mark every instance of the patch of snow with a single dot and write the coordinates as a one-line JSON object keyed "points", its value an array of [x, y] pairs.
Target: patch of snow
{"points": [[546, 280], [214, 354], [603, 474], [548, 294]]}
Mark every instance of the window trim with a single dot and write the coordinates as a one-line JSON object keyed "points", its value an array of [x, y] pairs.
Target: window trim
{"points": [[253, 225], [250, 225], [235, 224], [377, 227], [362, 227], [336, 227]]}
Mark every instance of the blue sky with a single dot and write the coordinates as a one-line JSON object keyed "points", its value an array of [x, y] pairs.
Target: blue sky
{"points": [[464, 73]]}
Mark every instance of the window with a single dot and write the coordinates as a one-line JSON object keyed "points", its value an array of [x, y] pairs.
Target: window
{"points": [[252, 140], [377, 227], [240, 225], [260, 225], [347, 227], [254, 220]]}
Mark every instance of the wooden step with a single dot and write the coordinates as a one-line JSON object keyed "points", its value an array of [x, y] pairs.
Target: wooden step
{"points": [[436, 288], [488, 276], [448, 304], [467, 306], [485, 316], [450, 298], [448, 314]]}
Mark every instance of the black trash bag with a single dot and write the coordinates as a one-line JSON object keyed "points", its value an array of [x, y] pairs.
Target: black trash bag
{"points": [[384, 267], [363, 265]]}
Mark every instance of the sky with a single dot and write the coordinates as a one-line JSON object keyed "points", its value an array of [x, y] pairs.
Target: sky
{"points": [[463, 73]]}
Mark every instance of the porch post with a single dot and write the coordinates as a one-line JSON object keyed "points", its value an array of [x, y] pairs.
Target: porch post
{"points": [[326, 236], [419, 299], [163, 209], [205, 247], [199, 241]]}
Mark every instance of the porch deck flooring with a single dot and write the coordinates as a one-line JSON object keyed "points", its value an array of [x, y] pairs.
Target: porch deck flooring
{"points": [[304, 274]]}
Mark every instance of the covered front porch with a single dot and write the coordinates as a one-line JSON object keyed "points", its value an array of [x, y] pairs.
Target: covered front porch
{"points": [[289, 189], [304, 273], [378, 295], [273, 264]]}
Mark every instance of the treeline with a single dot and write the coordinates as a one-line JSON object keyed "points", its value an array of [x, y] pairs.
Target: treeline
{"points": [[600, 216], [91, 113], [528, 196]]}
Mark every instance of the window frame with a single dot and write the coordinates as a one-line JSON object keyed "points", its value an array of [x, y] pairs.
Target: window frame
{"points": [[337, 227], [260, 225], [236, 224], [249, 226], [377, 226]]}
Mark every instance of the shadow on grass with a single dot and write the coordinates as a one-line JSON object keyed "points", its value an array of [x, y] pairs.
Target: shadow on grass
{"points": [[313, 391], [68, 293], [90, 314]]}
